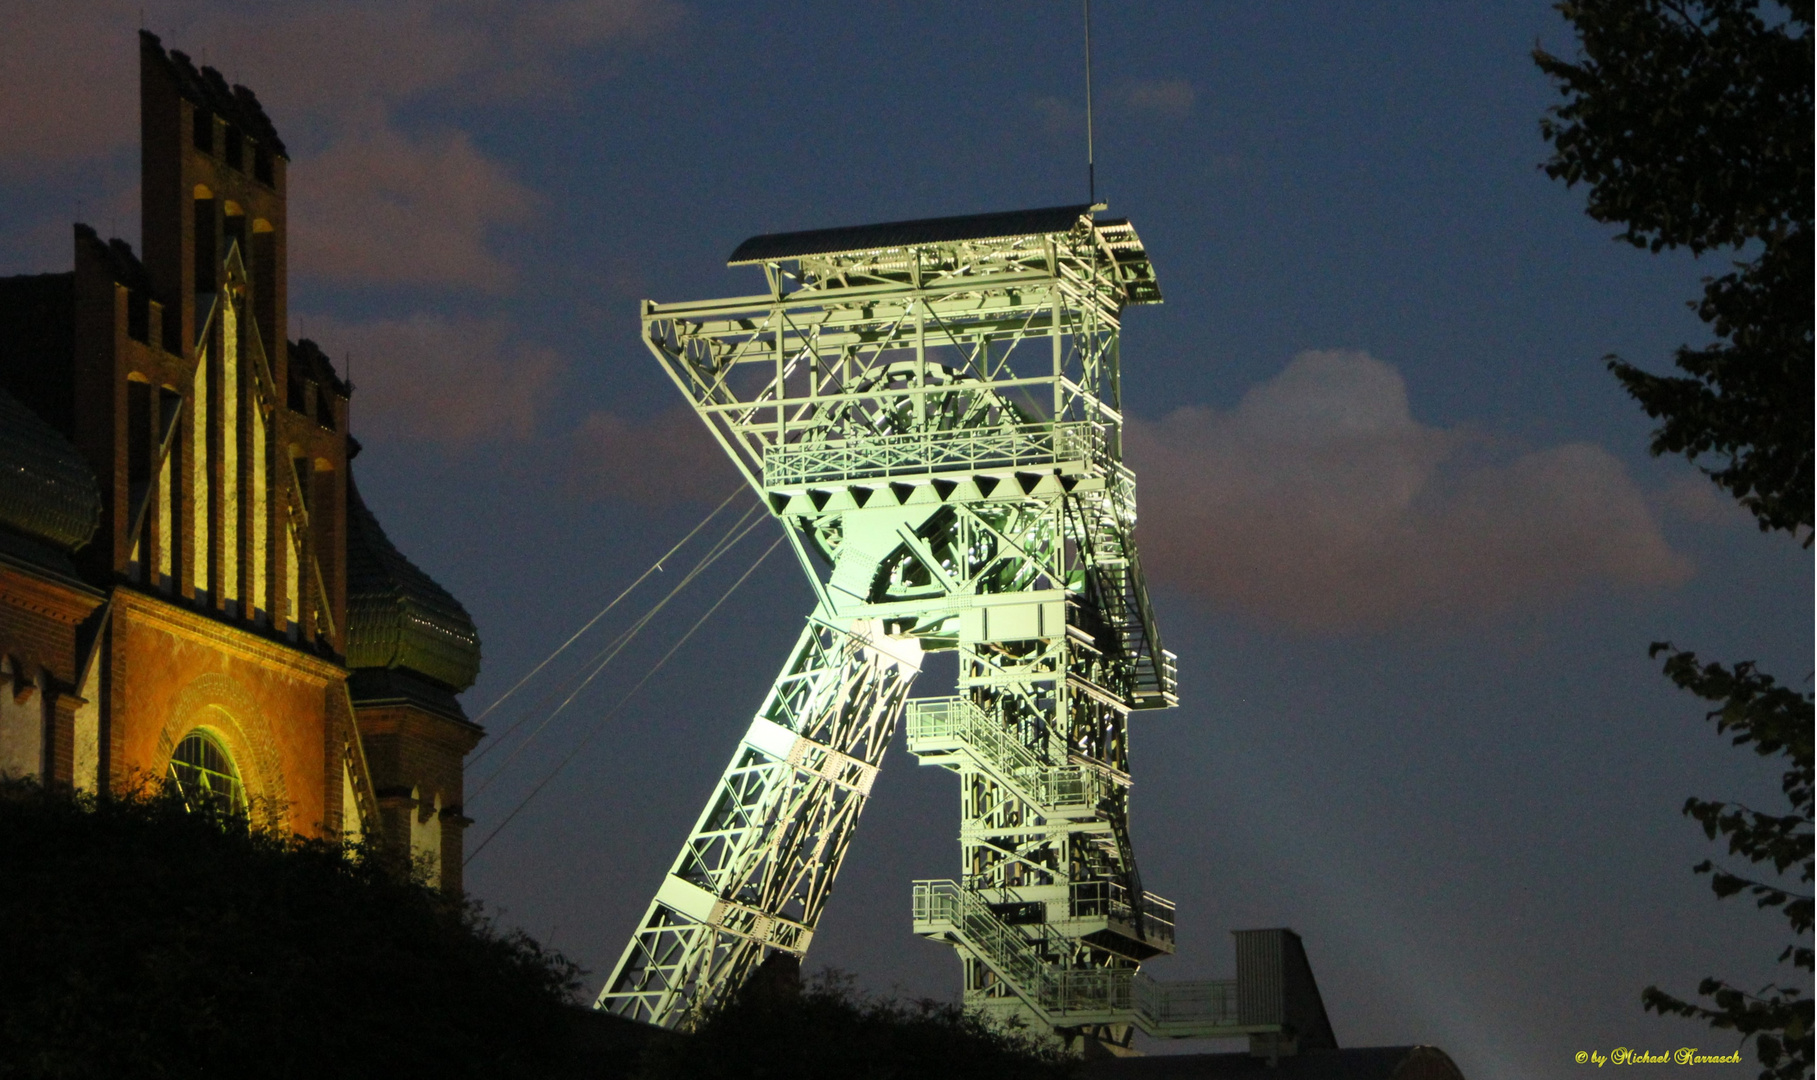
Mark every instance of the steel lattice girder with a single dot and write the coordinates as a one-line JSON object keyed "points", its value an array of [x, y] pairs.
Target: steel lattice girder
{"points": [[938, 431], [757, 868]]}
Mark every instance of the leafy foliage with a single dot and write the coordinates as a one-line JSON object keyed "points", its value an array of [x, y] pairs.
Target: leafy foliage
{"points": [[139, 939], [1691, 123], [1755, 711], [827, 1031]]}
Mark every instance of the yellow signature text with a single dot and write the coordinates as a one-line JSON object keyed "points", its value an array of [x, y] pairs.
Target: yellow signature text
{"points": [[1684, 1055]]}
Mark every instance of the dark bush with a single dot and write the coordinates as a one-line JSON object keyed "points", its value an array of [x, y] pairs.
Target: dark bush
{"points": [[828, 1031], [138, 939]]}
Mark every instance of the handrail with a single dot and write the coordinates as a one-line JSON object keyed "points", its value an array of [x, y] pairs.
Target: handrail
{"points": [[1110, 900], [1007, 758], [919, 452], [1059, 993]]}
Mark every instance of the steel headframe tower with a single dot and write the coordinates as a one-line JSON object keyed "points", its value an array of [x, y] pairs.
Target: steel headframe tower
{"points": [[931, 409]]}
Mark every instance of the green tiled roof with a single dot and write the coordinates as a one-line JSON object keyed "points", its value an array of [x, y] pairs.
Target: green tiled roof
{"points": [[397, 616], [46, 490]]}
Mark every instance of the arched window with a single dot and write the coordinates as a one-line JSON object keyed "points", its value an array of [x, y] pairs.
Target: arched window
{"points": [[204, 772]]}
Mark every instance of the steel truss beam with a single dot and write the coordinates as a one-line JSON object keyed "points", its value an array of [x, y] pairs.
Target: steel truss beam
{"points": [[938, 428], [756, 871]]}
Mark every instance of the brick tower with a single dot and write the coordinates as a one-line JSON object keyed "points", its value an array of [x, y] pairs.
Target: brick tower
{"points": [[190, 587]]}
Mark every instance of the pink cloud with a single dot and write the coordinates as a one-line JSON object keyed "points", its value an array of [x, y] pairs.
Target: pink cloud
{"points": [[380, 206], [1321, 503], [658, 460], [330, 73], [71, 83], [455, 382]]}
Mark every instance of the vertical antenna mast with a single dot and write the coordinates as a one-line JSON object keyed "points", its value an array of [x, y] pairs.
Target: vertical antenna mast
{"points": [[1091, 165]]}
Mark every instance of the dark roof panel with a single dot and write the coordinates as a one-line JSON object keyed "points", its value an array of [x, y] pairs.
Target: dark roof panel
{"points": [[397, 616], [38, 344], [892, 234], [47, 490], [1361, 1063]]}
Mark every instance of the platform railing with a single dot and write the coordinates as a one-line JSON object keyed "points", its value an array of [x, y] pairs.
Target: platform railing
{"points": [[1110, 900], [1074, 995], [924, 452], [936, 723], [1196, 1004]]}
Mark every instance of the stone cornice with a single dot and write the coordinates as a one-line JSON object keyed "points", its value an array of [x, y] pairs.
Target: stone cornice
{"points": [[397, 718], [242, 643], [65, 601]]}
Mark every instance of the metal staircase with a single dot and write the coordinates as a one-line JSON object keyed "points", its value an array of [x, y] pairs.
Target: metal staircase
{"points": [[1066, 997], [931, 411]]}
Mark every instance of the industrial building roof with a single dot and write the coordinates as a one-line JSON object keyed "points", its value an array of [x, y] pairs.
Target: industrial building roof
{"points": [[772, 247], [1358, 1063]]}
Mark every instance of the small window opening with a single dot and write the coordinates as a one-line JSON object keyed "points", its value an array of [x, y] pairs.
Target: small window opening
{"points": [[208, 259], [204, 773], [324, 407], [298, 398], [263, 263], [261, 164], [235, 148], [204, 133], [235, 234], [171, 497], [138, 315], [138, 434]]}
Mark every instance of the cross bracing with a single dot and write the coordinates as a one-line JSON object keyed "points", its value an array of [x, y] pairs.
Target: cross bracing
{"points": [[935, 420]]}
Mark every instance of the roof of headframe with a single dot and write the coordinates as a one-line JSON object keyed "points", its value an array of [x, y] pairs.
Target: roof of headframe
{"points": [[772, 247]]}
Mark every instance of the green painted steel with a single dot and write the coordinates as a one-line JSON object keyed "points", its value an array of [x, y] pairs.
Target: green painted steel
{"points": [[937, 427]]}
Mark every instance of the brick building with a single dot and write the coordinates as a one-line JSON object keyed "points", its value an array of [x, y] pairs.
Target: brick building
{"points": [[190, 585]]}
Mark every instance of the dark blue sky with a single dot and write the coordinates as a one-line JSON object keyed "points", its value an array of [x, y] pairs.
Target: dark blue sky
{"points": [[1411, 574]]}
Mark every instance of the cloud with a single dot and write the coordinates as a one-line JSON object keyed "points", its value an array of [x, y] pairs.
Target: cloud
{"points": [[380, 206], [68, 96], [1168, 97], [329, 56], [454, 382], [1321, 503], [659, 461], [325, 69]]}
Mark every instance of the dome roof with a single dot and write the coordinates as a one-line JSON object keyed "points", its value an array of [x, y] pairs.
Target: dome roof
{"points": [[397, 616], [47, 491]]}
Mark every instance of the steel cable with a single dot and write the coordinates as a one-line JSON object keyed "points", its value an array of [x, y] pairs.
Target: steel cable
{"points": [[601, 725], [547, 660], [605, 655], [602, 659]]}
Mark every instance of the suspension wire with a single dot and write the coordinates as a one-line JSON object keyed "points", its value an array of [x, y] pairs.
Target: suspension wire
{"points": [[725, 543], [654, 567], [550, 695], [600, 726]]}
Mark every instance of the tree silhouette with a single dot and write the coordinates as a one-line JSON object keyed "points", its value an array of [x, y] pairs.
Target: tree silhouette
{"points": [[1691, 123]]}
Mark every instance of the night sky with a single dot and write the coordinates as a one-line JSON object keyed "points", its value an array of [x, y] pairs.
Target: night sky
{"points": [[1399, 521]]}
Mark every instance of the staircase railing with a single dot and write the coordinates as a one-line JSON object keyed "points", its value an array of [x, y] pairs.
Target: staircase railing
{"points": [[1075, 995], [934, 723], [1111, 900]]}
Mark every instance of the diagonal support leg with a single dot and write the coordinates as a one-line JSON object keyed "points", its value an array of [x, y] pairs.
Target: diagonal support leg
{"points": [[756, 872]]}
